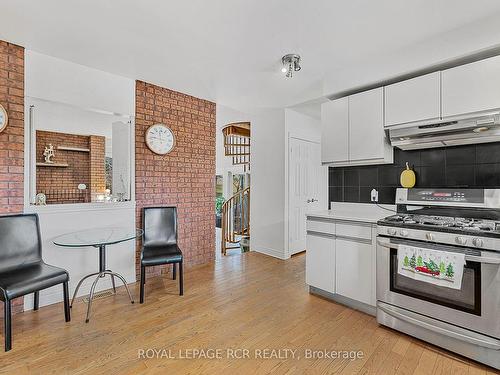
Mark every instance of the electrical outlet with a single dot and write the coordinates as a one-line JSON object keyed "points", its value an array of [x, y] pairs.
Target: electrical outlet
{"points": [[374, 195]]}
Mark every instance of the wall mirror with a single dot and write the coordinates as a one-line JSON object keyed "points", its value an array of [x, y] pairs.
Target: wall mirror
{"points": [[78, 155]]}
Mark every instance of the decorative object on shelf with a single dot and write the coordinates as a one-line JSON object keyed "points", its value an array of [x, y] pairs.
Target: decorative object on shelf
{"points": [[291, 63], [49, 153], [408, 177], [82, 187], [160, 139], [40, 199], [4, 118]]}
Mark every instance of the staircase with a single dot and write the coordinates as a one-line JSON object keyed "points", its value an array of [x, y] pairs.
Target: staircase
{"points": [[236, 210], [236, 220], [237, 143]]}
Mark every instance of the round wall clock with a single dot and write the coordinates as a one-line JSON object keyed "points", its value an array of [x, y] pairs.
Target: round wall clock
{"points": [[160, 139], [4, 118]]}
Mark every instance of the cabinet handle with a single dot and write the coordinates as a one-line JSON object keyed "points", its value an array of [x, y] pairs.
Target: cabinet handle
{"points": [[319, 234]]}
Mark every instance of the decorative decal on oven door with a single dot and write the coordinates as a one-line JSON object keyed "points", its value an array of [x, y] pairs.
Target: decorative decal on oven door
{"points": [[437, 267]]}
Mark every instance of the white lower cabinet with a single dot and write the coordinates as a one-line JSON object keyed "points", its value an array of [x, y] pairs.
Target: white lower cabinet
{"points": [[355, 270], [320, 261], [340, 259]]}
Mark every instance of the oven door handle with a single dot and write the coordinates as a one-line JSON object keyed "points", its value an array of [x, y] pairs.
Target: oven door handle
{"points": [[490, 344], [492, 258]]}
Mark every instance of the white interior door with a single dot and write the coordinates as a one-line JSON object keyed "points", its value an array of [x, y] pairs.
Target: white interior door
{"points": [[307, 182]]}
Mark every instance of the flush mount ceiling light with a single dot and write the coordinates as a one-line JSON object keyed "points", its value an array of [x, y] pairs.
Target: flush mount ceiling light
{"points": [[291, 63]]}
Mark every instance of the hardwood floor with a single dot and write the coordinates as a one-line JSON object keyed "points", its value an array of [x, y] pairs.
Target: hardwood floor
{"points": [[247, 301]]}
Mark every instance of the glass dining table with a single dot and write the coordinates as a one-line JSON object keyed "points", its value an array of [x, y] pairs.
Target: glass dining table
{"points": [[98, 238]]}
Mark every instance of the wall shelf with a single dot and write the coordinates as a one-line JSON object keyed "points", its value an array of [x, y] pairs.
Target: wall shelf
{"points": [[58, 165], [68, 148]]}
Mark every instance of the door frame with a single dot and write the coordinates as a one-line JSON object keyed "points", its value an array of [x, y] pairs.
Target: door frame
{"points": [[323, 192]]}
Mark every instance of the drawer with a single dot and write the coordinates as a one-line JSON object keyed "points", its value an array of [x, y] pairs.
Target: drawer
{"points": [[321, 225], [354, 230]]}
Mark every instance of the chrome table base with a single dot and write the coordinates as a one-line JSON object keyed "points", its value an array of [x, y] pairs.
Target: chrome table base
{"points": [[101, 274]]}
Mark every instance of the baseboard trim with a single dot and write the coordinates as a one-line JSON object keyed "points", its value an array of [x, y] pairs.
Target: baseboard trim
{"points": [[269, 251], [356, 305]]}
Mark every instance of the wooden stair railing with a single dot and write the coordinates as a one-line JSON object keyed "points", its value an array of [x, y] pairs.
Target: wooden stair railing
{"points": [[235, 219], [237, 143]]}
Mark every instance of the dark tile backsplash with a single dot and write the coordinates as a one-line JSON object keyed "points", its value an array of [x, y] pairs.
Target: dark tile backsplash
{"points": [[462, 166]]}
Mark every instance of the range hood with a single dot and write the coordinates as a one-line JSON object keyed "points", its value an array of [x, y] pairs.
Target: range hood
{"points": [[481, 128]]}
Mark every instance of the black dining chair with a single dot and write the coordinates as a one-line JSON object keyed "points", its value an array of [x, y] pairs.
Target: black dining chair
{"points": [[159, 242], [22, 269]]}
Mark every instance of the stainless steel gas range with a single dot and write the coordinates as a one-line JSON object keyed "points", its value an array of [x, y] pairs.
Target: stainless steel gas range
{"points": [[466, 221]]}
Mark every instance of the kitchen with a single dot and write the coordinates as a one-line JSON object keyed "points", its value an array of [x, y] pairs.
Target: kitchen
{"points": [[413, 170], [169, 162]]}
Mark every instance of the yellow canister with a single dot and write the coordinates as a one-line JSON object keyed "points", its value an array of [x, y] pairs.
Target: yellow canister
{"points": [[408, 177]]}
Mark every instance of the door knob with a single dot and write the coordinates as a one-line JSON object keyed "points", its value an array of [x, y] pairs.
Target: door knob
{"points": [[312, 200]]}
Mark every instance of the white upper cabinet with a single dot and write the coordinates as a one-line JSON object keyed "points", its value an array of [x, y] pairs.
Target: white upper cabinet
{"points": [[353, 130], [367, 138], [416, 99], [335, 128], [471, 88]]}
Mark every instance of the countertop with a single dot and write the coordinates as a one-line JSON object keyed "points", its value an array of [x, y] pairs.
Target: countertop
{"points": [[360, 212]]}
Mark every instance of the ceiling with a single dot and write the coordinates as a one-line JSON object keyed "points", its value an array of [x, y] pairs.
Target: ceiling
{"points": [[229, 51]]}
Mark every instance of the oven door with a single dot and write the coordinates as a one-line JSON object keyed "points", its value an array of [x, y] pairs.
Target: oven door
{"points": [[475, 306]]}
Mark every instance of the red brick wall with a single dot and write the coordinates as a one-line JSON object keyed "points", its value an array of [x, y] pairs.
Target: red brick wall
{"points": [[12, 138], [182, 178], [97, 167], [60, 184]]}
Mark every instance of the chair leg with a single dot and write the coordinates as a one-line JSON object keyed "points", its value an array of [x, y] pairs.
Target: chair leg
{"points": [[7, 330], [143, 281], [174, 269], [67, 313], [181, 282], [36, 300]]}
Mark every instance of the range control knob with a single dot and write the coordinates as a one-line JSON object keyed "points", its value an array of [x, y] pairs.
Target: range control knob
{"points": [[391, 231], [403, 233], [429, 236], [461, 240], [477, 242]]}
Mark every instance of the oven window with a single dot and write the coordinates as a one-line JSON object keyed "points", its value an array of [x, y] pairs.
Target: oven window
{"points": [[467, 299]]}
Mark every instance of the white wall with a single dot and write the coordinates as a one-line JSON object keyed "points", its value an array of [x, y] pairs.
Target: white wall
{"points": [[52, 79], [62, 81], [267, 203], [300, 125], [451, 45]]}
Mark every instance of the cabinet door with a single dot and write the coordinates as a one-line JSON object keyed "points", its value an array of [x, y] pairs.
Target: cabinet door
{"points": [[366, 125], [354, 270], [412, 100], [335, 125], [471, 88], [320, 262]]}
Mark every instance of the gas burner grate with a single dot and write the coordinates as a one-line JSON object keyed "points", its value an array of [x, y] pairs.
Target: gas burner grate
{"points": [[465, 224]]}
